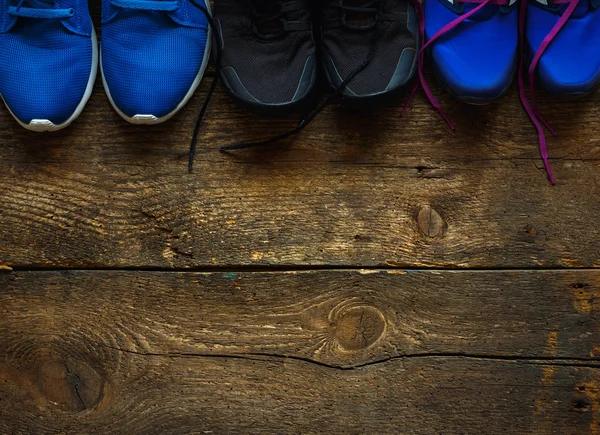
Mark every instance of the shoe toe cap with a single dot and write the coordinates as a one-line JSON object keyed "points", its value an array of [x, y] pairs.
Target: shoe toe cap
{"points": [[144, 96], [571, 63], [570, 69], [477, 60], [559, 81], [471, 73], [148, 80], [375, 80], [43, 87], [271, 92]]}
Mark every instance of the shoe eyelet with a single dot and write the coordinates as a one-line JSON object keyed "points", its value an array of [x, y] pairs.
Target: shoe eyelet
{"points": [[72, 12]]}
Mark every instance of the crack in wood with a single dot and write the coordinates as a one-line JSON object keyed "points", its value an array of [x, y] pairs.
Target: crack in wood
{"points": [[74, 380], [263, 356]]}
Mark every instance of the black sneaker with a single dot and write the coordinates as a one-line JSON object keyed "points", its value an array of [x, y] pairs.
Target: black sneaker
{"points": [[268, 54], [385, 32]]}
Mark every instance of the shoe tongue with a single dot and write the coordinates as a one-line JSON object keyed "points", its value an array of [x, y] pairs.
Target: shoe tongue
{"points": [[269, 26], [357, 3], [359, 19], [484, 14], [582, 7]]}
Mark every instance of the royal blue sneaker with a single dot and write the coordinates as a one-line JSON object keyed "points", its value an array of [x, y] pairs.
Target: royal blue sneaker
{"points": [[570, 64], [49, 60], [473, 46], [560, 47], [153, 55]]}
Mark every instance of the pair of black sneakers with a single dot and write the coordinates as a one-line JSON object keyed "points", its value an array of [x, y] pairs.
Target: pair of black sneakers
{"points": [[272, 51]]}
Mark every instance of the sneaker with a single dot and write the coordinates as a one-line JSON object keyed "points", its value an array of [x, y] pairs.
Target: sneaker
{"points": [[268, 53], [153, 55], [475, 59], [570, 65], [49, 61], [559, 40], [384, 32]]}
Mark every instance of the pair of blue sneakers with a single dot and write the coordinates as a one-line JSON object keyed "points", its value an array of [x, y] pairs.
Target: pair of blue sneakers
{"points": [[477, 47], [153, 56], [475, 51]]}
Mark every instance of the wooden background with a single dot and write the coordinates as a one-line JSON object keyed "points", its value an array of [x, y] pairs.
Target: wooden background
{"points": [[377, 274]]}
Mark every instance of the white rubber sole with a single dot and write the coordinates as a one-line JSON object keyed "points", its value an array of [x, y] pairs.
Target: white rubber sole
{"points": [[150, 119], [45, 125]]}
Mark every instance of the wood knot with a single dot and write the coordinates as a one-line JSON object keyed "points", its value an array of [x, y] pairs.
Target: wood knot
{"points": [[72, 385], [430, 222], [357, 327], [529, 231], [581, 405], [579, 286]]}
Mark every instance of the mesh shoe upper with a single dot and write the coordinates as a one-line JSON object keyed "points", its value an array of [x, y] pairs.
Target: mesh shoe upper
{"points": [[268, 51], [152, 59], [47, 63], [386, 30], [476, 60], [571, 64]]}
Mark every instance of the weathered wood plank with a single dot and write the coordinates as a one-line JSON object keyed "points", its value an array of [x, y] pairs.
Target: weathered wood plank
{"points": [[156, 395], [312, 352], [339, 318], [350, 190]]}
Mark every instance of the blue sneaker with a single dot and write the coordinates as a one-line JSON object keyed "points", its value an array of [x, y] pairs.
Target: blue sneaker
{"points": [[49, 61], [153, 55], [473, 45], [560, 45], [570, 65]]}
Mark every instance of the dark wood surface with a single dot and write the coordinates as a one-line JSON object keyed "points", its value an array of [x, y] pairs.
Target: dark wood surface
{"points": [[352, 190], [313, 352], [378, 274]]}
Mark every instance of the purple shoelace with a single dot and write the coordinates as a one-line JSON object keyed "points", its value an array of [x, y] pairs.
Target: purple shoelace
{"points": [[448, 27], [532, 108]]}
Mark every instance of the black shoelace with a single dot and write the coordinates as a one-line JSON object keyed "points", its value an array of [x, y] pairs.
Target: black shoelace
{"points": [[268, 19], [302, 124], [359, 14], [308, 117], [213, 85]]}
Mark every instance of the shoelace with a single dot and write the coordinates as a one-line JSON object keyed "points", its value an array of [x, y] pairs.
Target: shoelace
{"points": [[302, 124], [39, 9], [268, 18], [148, 5], [219, 50], [308, 117], [532, 109], [363, 11], [422, 82]]}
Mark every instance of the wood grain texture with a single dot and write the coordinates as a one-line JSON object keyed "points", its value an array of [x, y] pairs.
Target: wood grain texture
{"points": [[345, 351], [312, 352], [350, 190]]}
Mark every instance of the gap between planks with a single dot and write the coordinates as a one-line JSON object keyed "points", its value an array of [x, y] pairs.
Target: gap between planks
{"points": [[5, 268]]}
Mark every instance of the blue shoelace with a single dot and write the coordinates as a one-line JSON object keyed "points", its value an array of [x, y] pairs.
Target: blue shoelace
{"points": [[39, 9]]}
